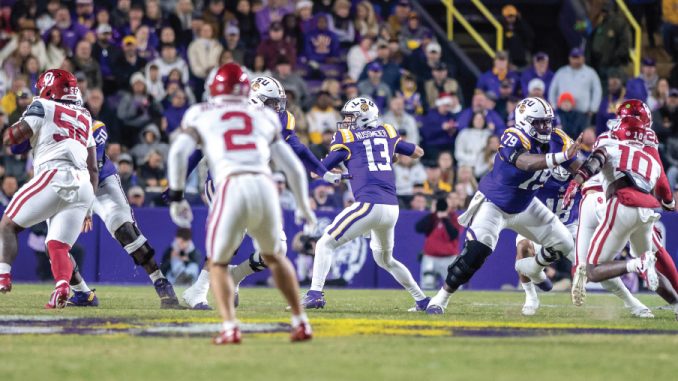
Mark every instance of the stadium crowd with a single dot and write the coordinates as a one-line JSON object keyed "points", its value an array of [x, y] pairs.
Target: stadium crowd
{"points": [[141, 64]]}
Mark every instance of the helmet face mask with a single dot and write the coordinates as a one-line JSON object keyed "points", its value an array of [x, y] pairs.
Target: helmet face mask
{"points": [[541, 128], [348, 122], [270, 92], [534, 116], [360, 112], [561, 174], [276, 104]]}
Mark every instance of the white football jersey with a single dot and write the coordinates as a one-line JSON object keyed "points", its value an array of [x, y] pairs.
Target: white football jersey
{"points": [[61, 133], [627, 158], [235, 135]]}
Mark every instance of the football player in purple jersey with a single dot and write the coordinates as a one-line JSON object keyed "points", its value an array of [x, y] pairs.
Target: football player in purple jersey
{"points": [[367, 148], [506, 199]]}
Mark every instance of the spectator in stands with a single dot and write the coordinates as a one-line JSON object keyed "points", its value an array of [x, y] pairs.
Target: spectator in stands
{"points": [[660, 94], [469, 144], [670, 27], [645, 84], [181, 261], [9, 100], [135, 20], [128, 63], [12, 65], [56, 50], [374, 87], [152, 172], [485, 161], [105, 53], [84, 62], [413, 100], [518, 35], [434, 184], [466, 180], [174, 111], [27, 32], [137, 109], [128, 177], [491, 79], [321, 150], [671, 157], [233, 44], [71, 32], [481, 103], [408, 172], [669, 118], [10, 185], [441, 83], [503, 101], [412, 35], [333, 88], [359, 55], [573, 121], [304, 13], [204, 52], [291, 80], [168, 60], [149, 142], [272, 13], [391, 70], [321, 117], [610, 41], [24, 97], [349, 89], [402, 121], [136, 196], [214, 13], [46, 20], [366, 23], [581, 81], [536, 88], [31, 69], [608, 106], [442, 241], [154, 83], [321, 45], [120, 14], [100, 110], [153, 17], [399, 17], [180, 20], [422, 68], [539, 69], [587, 141], [438, 128], [146, 44], [340, 23], [293, 33], [275, 47], [418, 202], [446, 164]]}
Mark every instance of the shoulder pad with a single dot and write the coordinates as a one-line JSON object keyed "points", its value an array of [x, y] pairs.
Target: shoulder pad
{"points": [[35, 109], [524, 140], [390, 130], [291, 122], [564, 138], [97, 125]]}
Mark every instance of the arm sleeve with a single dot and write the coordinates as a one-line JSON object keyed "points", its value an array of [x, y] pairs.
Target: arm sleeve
{"points": [[662, 190], [334, 158], [405, 148], [425, 224], [283, 156], [179, 152], [305, 155], [193, 161], [34, 115]]}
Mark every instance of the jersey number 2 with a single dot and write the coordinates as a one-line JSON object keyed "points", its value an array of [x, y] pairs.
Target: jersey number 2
{"points": [[74, 123], [239, 124], [371, 165]]}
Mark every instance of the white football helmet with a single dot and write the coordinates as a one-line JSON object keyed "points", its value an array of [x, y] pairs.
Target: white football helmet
{"points": [[535, 117], [268, 91], [359, 112]]}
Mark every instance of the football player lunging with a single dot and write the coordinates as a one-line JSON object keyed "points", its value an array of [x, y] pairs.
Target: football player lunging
{"points": [[239, 139], [66, 174], [506, 199], [367, 147]]}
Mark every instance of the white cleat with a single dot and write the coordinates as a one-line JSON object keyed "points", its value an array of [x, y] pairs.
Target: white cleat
{"points": [[578, 291], [642, 312], [194, 297], [648, 261], [530, 307]]}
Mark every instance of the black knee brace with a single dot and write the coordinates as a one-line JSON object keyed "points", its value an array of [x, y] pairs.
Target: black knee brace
{"points": [[547, 255], [257, 263], [127, 234], [467, 263]]}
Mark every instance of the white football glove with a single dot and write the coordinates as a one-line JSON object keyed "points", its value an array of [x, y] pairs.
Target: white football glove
{"points": [[332, 178], [181, 213]]}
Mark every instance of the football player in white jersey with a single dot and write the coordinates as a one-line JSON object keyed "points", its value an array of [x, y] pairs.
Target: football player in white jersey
{"points": [[631, 174], [239, 140], [66, 174]]}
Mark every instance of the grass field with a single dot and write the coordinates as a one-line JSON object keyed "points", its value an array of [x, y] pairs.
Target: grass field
{"points": [[360, 335]]}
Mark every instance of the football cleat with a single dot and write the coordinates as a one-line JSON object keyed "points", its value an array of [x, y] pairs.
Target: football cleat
{"points": [[539, 278], [648, 269], [642, 312], [313, 299], [5, 283], [83, 299], [231, 336], [434, 309], [530, 307], [168, 299], [202, 307], [302, 332], [59, 296], [420, 305], [195, 299], [578, 291]]}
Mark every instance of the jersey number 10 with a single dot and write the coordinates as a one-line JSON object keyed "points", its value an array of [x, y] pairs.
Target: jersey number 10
{"points": [[72, 125], [631, 162]]}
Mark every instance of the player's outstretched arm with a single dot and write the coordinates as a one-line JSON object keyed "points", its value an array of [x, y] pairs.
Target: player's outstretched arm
{"points": [[307, 157], [408, 149], [180, 151], [17, 133], [284, 157], [535, 162]]}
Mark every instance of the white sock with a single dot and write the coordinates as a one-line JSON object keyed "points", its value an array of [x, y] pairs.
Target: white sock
{"points": [[321, 263], [155, 275], [441, 298], [386, 261], [59, 283], [241, 271], [530, 291], [5, 268], [633, 265], [535, 267], [617, 287], [229, 325], [203, 281], [298, 319], [81, 287]]}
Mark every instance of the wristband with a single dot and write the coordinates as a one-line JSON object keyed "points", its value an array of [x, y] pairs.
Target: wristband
{"points": [[175, 195], [555, 159]]}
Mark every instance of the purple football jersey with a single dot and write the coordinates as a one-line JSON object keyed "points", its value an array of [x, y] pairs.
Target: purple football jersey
{"points": [[100, 135], [510, 188], [552, 196]]}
